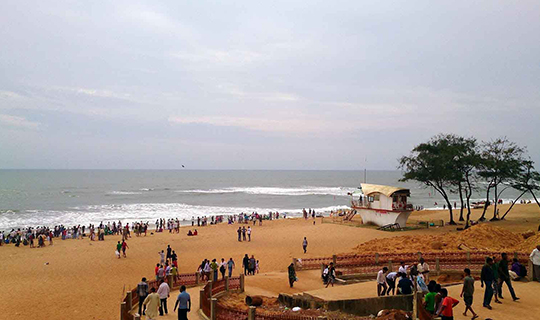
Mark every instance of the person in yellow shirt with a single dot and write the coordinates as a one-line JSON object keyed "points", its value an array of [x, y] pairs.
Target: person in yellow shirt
{"points": [[152, 303]]}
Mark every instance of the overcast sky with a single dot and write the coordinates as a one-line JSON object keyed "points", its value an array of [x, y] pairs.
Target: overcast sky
{"points": [[261, 84]]}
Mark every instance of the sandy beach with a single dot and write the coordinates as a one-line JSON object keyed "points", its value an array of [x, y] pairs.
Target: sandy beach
{"points": [[80, 279]]}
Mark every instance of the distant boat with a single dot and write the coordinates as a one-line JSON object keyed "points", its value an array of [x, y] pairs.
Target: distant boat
{"points": [[382, 205]]}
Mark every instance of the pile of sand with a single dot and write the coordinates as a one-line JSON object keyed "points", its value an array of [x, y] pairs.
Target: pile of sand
{"points": [[480, 237]]}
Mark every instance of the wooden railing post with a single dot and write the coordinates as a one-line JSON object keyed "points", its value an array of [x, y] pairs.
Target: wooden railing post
{"points": [[437, 266], [334, 260], [123, 310], [201, 298], [213, 303], [376, 258], [251, 312], [515, 255], [227, 283], [242, 282], [390, 266], [130, 300], [468, 259], [530, 271], [197, 279], [210, 285]]}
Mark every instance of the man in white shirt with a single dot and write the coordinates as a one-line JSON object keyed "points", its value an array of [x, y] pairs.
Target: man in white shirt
{"points": [[535, 258], [249, 233], [163, 292], [403, 268], [391, 281], [423, 269], [381, 281]]}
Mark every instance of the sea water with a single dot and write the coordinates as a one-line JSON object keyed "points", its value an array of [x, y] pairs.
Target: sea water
{"points": [[71, 197]]}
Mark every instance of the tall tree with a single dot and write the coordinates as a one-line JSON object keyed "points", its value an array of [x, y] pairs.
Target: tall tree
{"points": [[501, 163], [527, 181], [465, 163], [432, 164]]}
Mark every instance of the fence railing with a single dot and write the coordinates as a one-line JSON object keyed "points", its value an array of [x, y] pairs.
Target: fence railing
{"points": [[379, 259]]}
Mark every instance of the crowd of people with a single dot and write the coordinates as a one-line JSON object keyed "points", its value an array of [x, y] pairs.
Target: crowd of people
{"points": [[495, 275]]}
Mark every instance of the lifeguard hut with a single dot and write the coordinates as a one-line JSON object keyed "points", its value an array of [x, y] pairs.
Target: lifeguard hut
{"points": [[382, 205]]}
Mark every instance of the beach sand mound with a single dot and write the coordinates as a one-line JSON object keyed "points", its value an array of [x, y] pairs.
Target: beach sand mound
{"points": [[479, 237], [530, 243]]}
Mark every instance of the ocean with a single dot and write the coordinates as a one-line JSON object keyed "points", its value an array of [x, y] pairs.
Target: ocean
{"points": [[71, 197]]}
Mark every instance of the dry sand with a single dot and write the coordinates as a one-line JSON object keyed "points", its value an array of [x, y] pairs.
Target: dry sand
{"points": [[84, 280]]}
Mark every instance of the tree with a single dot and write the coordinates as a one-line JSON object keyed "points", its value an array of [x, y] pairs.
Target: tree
{"points": [[465, 164], [432, 164], [501, 162], [527, 181]]}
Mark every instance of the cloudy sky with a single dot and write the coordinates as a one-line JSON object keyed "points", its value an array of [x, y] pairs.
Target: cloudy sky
{"points": [[261, 85]]}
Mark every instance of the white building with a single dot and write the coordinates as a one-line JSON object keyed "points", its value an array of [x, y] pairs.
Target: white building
{"points": [[382, 205]]}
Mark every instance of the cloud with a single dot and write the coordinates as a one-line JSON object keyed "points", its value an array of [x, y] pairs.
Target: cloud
{"points": [[18, 122]]}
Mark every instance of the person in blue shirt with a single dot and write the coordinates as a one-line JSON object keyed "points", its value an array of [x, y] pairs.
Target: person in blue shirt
{"points": [[183, 301]]}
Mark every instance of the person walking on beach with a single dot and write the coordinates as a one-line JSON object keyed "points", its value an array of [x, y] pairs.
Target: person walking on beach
{"points": [[222, 268], [251, 265], [244, 233], [163, 292], [487, 277], [162, 257], [535, 259], [249, 234], [423, 268], [169, 253], [142, 291], [504, 277], [448, 304], [292, 274], [331, 275], [304, 244], [151, 303], [496, 288], [183, 301], [118, 249], [230, 266], [467, 292], [239, 231], [245, 264], [124, 247], [381, 282]]}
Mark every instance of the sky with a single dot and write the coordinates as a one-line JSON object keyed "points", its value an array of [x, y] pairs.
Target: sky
{"points": [[337, 85]]}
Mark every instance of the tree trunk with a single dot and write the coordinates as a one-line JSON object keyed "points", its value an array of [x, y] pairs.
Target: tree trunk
{"points": [[461, 199], [535, 199], [452, 222], [486, 205], [496, 200], [513, 203]]}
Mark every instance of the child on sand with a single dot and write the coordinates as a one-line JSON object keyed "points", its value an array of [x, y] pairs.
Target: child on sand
{"points": [[448, 304], [118, 249]]}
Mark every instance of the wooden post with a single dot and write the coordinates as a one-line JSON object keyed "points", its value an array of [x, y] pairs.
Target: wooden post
{"points": [[334, 259], [376, 258], [201, 298], [227, 283], [437, 266], [251, 313], [419, 255], [390, 265], [170, 278], [322, 267], [468, 259], [130, 300], [242, 282], [213, 303], [123, 310], [212, 275], [210, 285], [197, 278], [530, 273], [515, 255]]}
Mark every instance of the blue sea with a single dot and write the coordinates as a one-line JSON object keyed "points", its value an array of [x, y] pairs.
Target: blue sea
{"points": [[69, 197]]}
